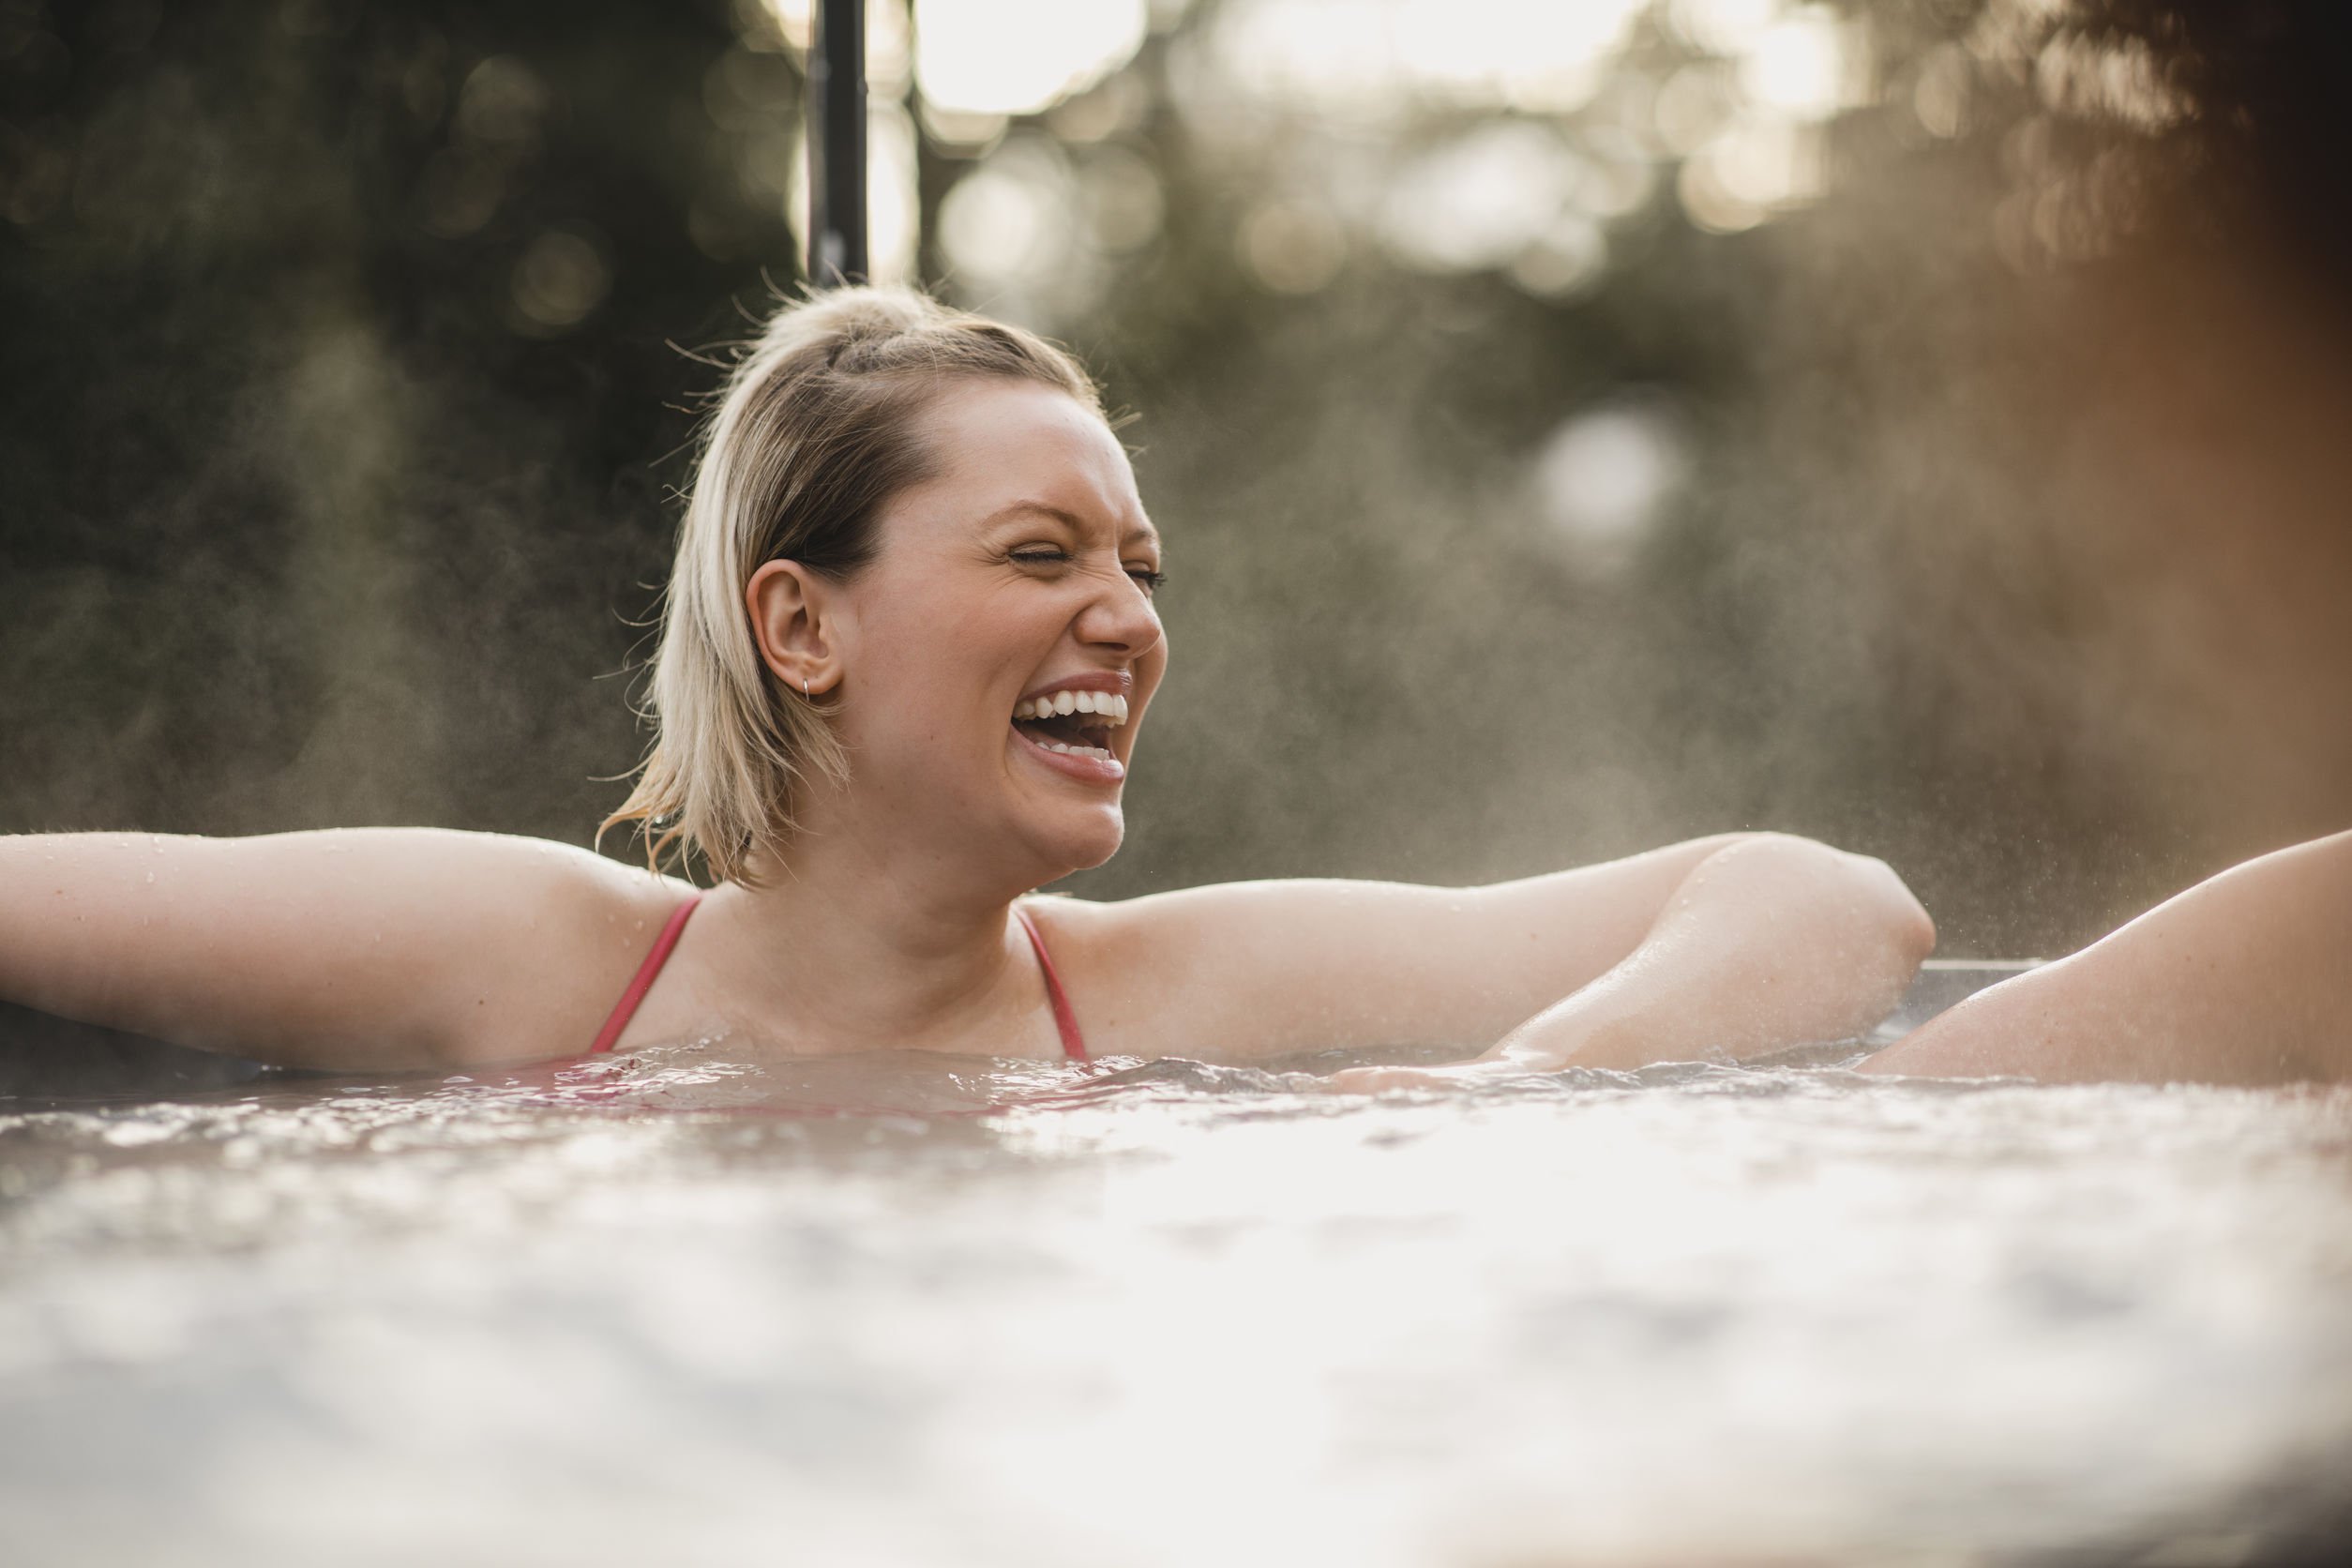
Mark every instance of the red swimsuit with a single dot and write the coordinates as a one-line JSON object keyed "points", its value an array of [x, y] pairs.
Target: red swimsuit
{"points": [[1073, 1044]]}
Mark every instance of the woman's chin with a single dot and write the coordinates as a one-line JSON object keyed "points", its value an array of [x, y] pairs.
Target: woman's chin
{"points": [[1068, 805], [1076, 841], [1098, 843]]}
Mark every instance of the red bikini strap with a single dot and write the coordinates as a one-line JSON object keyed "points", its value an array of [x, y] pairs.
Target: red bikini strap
{"points": [[626, 1008], [1073, 1043]]}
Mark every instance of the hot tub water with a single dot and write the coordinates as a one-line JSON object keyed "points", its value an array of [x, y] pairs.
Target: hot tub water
{"points": [[1174, 1314]]}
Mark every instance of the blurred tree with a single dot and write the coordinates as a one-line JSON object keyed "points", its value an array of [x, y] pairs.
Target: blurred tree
{"points": [[336, 383]]}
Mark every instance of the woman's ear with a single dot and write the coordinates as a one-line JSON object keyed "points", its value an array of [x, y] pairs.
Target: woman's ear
{"points": [[789, 604]]}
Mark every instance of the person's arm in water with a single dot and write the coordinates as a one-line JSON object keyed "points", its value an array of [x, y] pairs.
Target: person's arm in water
{"points": [[2245, 978], [1720, 947], [366, 948]]}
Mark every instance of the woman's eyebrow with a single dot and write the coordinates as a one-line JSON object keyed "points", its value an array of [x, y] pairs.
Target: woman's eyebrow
{"points": [[1015, 509]]}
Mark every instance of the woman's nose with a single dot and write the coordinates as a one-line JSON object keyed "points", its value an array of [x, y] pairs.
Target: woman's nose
{"points": [[1120, 615]]}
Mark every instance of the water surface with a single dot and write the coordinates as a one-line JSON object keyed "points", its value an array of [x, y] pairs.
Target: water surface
{"points": [[675, 1311]]}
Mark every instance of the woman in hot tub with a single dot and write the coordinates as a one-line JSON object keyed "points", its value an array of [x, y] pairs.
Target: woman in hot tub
{"points": [[908, 648]]}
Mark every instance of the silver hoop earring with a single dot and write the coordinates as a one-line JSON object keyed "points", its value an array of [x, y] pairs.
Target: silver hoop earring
{"points": [[804, 691]]}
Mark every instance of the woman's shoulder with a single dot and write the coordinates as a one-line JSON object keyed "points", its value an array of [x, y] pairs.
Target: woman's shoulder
{"points": [[573, 870], [576, 906], [498, 882], [1257, 967], [552, 931], [1236, 913]]}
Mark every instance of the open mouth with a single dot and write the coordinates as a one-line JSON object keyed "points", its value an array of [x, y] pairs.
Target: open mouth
{"points": [[1073, 723]]}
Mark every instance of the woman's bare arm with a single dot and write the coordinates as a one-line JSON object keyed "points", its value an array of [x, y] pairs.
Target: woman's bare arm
{"points": [[373, 947], [2245, 978], [1732, 944], [1768, 943]]}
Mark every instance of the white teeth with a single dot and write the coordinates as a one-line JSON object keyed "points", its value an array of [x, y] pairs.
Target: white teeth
{"points": [[1112, 707], [1094, 751]]}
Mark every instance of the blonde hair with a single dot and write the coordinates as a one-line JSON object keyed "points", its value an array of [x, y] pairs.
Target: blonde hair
{"points": [[815, 428]]}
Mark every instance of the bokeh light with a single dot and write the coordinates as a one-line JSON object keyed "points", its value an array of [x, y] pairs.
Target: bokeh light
{"points": [[1016, 233], [1803, 66], [1602, 479], [990, 57], [562, 275], [1291, 247], [1515, 133], [1567, 258], [1123, 198], [1755, 167], [1479, 200], [1376, 56]]}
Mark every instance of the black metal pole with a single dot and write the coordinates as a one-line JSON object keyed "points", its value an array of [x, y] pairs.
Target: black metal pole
{"points": [[837, 145]]}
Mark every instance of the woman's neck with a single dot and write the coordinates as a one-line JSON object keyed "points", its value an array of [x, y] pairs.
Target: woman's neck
{"points": [[855, 941]]}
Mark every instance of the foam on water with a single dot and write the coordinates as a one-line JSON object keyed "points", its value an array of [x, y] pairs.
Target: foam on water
{"points": [[1172, 1314]]}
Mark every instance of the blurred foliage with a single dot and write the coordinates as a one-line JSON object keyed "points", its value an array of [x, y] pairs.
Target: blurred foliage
{"points": [[1998, 476]]}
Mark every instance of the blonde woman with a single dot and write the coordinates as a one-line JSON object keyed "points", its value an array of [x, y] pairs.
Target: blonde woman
{"points": [[909, 648]]}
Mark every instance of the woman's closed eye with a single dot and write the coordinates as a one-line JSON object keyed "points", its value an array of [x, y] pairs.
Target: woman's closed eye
{"points": [[1148, 576]]}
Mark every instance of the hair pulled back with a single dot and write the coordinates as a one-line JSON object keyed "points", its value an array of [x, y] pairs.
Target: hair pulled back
{"points": [[815, 428]]}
